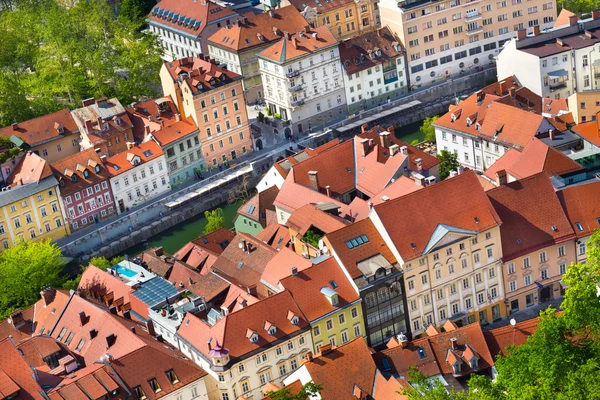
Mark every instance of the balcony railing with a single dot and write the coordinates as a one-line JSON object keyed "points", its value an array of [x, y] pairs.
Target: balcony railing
{"points": [[472, 16], [296, 88], [298, 103], [293, 74], [558, 86], [597, 75], [474, 31], [387, 81]]}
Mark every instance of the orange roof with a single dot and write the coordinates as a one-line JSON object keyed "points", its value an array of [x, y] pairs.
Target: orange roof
{"points": [[207, 286], [284, 166], [156, 261], [563, 18], [275, 235], [74, 165], [418, 353], [215, 242], [532, 217], [499, 339], [96, 283], [306, 286], [485, 183], [588, 131], [506, 124], [154, 114], [259, 205], [31, 169], [280, 266], [309, 216], [581, 204], [42, 129], [19, 324], [465, 116], [93, 380], [535, 157], [175, 132], [465, 207], [144, 152], [48, 309], [16, 375], [334, 168], [201, 74], [320, 7], [369, 49], [351, 257], [299, 44], [197, 14], [259, 29], [293, 195], [230, 331]]}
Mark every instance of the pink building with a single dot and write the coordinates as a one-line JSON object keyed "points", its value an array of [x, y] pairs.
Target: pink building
{"points": [[84, 188]]}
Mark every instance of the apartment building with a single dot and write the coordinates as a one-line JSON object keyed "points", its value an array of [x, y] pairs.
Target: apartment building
{"points": [[137, 175], [449, 38], [237, 45], [245, 349], [374, 69], [538, 243], [52, 136], [451, 256], [584, 105], [30, 203], [557, 63], [344, 18], [302, 79], [180, 143], [103, 124], [84, 188], [152, 115], [184, 26], [214, 98]]}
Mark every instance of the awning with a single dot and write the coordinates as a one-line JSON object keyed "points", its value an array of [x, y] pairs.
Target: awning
{"points": [[558, 73], [596, 63]]}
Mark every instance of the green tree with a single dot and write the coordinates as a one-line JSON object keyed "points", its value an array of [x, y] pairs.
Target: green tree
{"points": [[449, 162], [428, 130], [215, 220], [427, 389], [24, 270], [104, 263], [309, 390]]}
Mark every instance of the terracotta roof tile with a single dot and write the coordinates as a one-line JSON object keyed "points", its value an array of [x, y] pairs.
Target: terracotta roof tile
{"points": [[532, 217], [366, 45], [110, 111], [456, 117], [280, 266], [118, 163], [465, 207], [46, 314], [293, 195], [207, 286], [96, 283], [21, 328], [417, 352], [31, 169], [88, 159], [174, 132], [320, 7], [156, 261], [88, 382], [499, 339], [42, 129], [215, 242], [284, 166], [258, 205], [588, 131], [309, 216], [275, 235], [154, 114], [563, 18], [15, 372], [299, 44], [200, 74], [518, 126], [581, 204]]}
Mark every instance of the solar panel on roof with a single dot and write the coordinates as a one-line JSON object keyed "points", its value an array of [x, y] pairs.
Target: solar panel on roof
{"points": [[155, 291]]}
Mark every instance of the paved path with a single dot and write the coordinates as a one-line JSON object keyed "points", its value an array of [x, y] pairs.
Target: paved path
{"points": [[523, 315]]}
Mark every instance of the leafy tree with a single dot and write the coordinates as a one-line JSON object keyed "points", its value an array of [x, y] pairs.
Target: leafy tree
{"points": [[427, 129], [309, 390], [449, 162], [312, 237], [427, 389], [104, 263], [215, 220], [24, 270], [134, 12]]}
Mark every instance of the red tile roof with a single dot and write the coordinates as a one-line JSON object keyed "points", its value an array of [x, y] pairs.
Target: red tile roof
{"points": [[119, 163], [465, 207], [258, 30], [309, 216], [154, 114], [156, 261], [588, 131], [284, 166], [175, 132], [46, 314], [293, 195], [215, 242], [98, 284], [305, 288], [36, 348], [564, 18], [42, 129], [19, 324], [370, 48], [15, 374], [230, 331], [581, 204], [299, 44], [320, 7], [93, 380], [108, 111], [280, 267], [509, 125], [469, 109], [198, 15], [259, 204], [400, 359], [532, 217], [31, 169], [499, 339], [351, 257], [74, 165], [275, 235], [207, 286], [201, 74]]}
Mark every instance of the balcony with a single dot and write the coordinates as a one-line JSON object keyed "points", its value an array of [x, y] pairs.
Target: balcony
{"points": [[294, 89], [472, 16], [557, 86], [298, 103], [387, 81], [474, 30], [293, 74]]}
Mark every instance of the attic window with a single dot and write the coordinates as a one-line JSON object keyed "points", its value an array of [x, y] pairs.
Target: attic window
{"points": [[148, 153], [172, 376], [386, 365], [139, 392], [414, 246], [155, 385], [598, 221], [474, 363], [579, 226], [422, 354], [295, 320], [86, 174], [357, 241], [116, 167], [272, 330], [240, 265], [74, 178], [519, 241], [97, 169], [118, 121], [476, 220], [254, 338], [333, 284]]}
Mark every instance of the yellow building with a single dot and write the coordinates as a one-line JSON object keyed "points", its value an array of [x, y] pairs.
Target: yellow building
{"points": [[584, 105], [329, 301], [30, 204]]}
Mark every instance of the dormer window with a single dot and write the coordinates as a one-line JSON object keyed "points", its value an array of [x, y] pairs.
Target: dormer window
{"points": [[172, 376], [474, 363], [457, 368], [252, 335], [118, 121], [295, 320], [272, 330], [97, 169], [139, 393], [62, 183], [155, 385], [74, 178], [86, 174]]}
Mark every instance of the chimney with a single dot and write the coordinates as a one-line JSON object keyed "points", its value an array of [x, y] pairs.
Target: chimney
{"points": [[271, 13], [190, 280], [453, 343], [127, 314], [560, 42], [15, 126], [313, 180], [309, 356], [521, 34], [365, 147], [159, 251], [551, 133], [328, 190], [453, 173], [48, 295], [130, 145], [404, 150], [242, 245], [306, 28], [294, 271], [100, 123], [364, 128], [479, 94], [150, 328], [419, 163], [93, 333], [208, 344], [512, 91], [89, 126], [88, 102], [239, 23], [103, 159], [177, 117], [384, 139], [501, 177], [536, 30], [403, 340], [294, 42], [394, 149], [249, 247], [391, 130], [82, 318], [110, 340], [16, 319], [326, 349], [501, 87], [113, 310], [460, 169], [596, 14], [573, 19], [132, 329], [315, 35]]}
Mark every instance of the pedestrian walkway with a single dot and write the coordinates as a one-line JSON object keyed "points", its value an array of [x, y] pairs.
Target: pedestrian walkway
{"points": [[523, 315]]}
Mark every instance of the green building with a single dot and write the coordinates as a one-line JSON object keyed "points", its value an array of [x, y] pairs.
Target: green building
{"points": [[258, 212]]}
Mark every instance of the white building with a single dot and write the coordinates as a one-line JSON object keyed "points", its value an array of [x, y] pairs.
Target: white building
{"points": [[137, 175], [184, 26], [302, 79], [374, 69], [556, 63]]}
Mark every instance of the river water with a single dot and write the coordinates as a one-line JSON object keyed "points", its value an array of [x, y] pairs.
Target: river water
{"points": [[174, 238]]}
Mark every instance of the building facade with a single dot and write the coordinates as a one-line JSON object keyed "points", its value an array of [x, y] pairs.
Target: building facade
{"points": [[374, 69], [302, 79], [31, 207], [560, 62], [584, 106], [137, 175], [84, 188], [450, 38], [214, 98], [344, 18], [183, 27]]}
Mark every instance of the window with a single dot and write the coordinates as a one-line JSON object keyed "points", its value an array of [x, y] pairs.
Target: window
{"points": [[544, 274], [342, 318], [139, 392], [329, 324], [468, 303], [526, 262], [80, 345], [424, 279], [245, 387], [511, 268], [527, 280], [411, 285], [354, 311], [562, 269], [356, 330], [561, 251], [316, 331], [512, 286]]}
